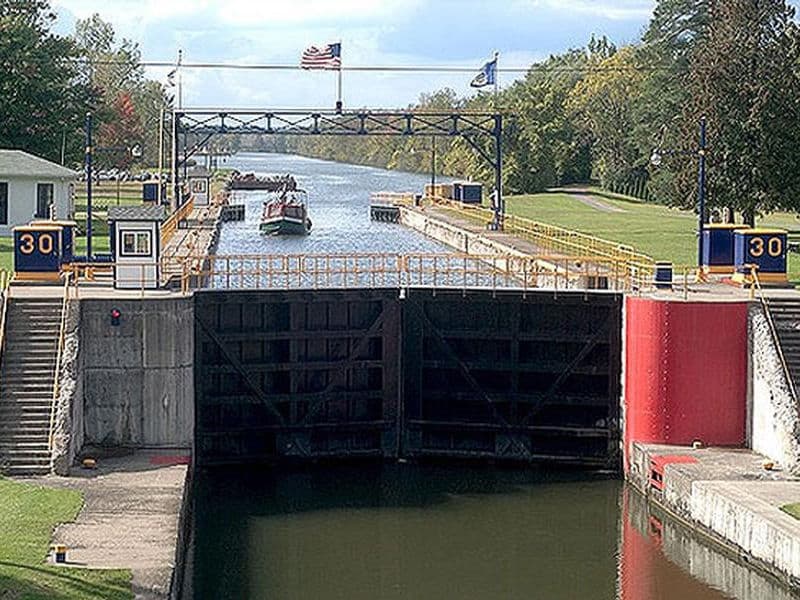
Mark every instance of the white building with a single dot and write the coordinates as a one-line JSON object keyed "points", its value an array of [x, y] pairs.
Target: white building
{"points": [[33, 188]]}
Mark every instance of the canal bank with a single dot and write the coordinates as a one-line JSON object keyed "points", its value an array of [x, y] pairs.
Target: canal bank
{"points": [[132, 518], [729, 497]]}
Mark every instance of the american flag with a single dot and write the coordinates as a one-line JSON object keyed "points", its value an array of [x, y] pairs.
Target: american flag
{"points": [[327, 57]]}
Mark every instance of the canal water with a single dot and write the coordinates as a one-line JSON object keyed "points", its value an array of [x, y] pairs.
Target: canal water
{"points": [[338, 200], [364, 531]]}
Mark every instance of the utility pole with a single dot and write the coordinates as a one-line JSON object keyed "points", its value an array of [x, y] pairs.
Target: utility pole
{"points": [[160, 153], [701, 193], [88, 164], [433, 162]]}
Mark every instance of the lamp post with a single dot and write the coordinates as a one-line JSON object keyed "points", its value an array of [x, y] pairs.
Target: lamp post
{"points": [[433, 162], [135, 152], [657, 158]]}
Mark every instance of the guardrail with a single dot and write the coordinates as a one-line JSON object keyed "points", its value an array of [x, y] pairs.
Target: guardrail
{"points": [[392, 198], [5, 280], [170, 226], [319, 271], [757, 290], [402, 270], [552, 239]]}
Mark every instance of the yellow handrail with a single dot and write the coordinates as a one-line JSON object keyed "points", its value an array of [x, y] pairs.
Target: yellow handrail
{"points": [[756, 289], [393, 198], [4, 282], [552, 238], [60, 351], [170, 226]]}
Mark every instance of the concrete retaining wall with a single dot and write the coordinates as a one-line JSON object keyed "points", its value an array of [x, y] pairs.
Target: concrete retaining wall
{"points": [[727, 496], [735, 513], [138, 376], [773, 418], [68, 425], [457, 238]]}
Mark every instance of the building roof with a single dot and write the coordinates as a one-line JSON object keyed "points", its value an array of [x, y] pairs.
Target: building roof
{"points": [[136, 213], [199, 172], [16, 163]]}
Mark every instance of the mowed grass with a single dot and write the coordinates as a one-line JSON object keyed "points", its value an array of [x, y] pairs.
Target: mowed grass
{"points": [[661, 232], [792, 509], [28, 515]]}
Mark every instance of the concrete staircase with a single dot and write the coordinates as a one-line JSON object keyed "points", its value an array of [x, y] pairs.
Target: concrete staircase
{"points": [[26, 384], [785, 313]]}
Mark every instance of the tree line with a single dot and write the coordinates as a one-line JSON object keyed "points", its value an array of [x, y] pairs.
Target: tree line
{"points": [[596, 114], [591, 114], [49, 82]]}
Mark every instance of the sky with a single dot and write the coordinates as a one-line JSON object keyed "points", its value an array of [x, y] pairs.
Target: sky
{"points": [[372, 32]]}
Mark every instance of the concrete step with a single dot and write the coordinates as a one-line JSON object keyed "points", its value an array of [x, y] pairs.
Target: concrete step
{"points": [[26, 470], [13, 347], [38, 367], [23, 431], [25, 445], [21, 412], [27, 383], [11, 385], [26, 423], [27, 332], [25, 456], [28, 375], [25, 403]]}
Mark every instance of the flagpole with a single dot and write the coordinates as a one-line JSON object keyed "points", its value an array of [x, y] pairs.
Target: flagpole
{"points": [[339, 82], [180, 79], [339, 91], [496, 72]]}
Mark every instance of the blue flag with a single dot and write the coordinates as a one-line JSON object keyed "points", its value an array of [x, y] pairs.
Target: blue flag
{"points": [[487, 75]]}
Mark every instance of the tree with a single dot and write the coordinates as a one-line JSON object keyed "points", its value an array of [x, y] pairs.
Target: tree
{"points": [[602, 103], [745, 80], [545, 145], [125, 104], [42, 105]]}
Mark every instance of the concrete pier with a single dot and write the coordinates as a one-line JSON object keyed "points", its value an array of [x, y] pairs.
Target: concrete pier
{"points": [[729, 496], [197, 240], [130, 519]]}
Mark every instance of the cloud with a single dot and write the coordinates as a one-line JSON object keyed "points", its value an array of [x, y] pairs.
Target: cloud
{"points": [[460, 33], [616, 10]]}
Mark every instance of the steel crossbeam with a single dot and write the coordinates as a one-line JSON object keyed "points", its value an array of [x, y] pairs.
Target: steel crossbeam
{"points": [[468, 125]]}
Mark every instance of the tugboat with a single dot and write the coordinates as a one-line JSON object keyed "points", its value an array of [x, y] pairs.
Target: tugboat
{"points": [[286, 215], [250, 181]]}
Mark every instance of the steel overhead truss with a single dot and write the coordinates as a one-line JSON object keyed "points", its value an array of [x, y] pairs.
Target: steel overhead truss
{"points": [[471, 126]]}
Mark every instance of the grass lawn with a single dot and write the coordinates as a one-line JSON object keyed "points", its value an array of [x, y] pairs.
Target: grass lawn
{"points": [[28, 515], [792, 509], [661, 232]]}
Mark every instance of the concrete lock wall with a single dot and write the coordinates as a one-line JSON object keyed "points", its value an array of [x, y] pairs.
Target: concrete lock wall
{"points": [[773, 417], [138, 382]]}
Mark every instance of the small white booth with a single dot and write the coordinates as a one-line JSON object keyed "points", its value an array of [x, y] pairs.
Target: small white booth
{"points": [[200, 186], [136, 245]]}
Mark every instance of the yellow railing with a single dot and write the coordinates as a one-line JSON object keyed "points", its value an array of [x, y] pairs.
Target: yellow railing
{"points": [[170, 226], [401, 270], [552, 239], [392, 198], [59, 353], [5, 279], [757, 290]]}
